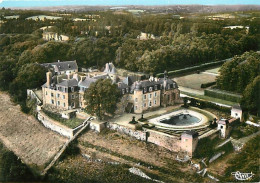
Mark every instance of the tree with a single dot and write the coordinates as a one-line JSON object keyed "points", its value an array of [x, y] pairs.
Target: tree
{"points": [[101, 98], [251, 97]]}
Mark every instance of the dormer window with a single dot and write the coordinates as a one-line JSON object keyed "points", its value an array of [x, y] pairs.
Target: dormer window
{"points": [[144, 90], [169, 86], [123, 91], [72, 89], [155, 87], [150, 89], [127, 90]]}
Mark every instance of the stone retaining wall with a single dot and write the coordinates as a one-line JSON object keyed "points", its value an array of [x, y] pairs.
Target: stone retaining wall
{"points": [[55, 126], [161, 139], [140, 135], [167, 141]]}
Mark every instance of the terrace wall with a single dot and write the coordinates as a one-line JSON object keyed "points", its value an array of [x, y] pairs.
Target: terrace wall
{"points": [[54, 125], [161, 139], [167, 141]]}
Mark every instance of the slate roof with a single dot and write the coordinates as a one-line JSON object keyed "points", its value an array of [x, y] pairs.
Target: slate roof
{"points": [[236, 107], [122, 86], [68, 83], [143, 84], [110, 68], [62, 66], [129, 80], [86, 82]]}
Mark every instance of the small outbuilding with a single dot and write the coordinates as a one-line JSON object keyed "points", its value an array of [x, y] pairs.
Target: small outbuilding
{"points": [[236, 112], [189, 141]]}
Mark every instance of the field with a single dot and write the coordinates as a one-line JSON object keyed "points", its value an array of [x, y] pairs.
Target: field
{"points": [[111, 147], [194, 81], [25, 136]]}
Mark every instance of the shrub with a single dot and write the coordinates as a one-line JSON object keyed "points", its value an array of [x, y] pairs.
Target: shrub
{"points": [[205, 85], [221, 94]]}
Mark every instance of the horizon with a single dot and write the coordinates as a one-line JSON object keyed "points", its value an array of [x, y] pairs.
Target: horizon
{"points": [[51, 3]]}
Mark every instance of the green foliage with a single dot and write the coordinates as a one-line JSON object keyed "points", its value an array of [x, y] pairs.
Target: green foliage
{"points": [[102, 97], [251, 97], [243, 130], [236, 74], [206, 147], [221, 94], [205, 85], [71, 123], [11, 167], [30, 76], [246, 161]]}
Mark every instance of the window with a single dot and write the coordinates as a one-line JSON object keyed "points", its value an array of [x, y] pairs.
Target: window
{"points": [[144, 90], [58, 95], [72, 89], [155, 102], [136, 99], [155, 87], [169, 86], [51, 94], [52, 101], [123, 91], [155, 94], [144, 104], [66, 90], [63, 97], [58, 102], [64, 105], [72, 96], [127, 90], [72, 104], [136, 107], [150, 89], [144, 97], [46, 93], [150, 95], [150, 104]]}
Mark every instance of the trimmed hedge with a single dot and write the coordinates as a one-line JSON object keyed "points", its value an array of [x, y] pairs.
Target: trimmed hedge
{"points": [[194, 68], [206, 104], [224, 95], [205, 85]]}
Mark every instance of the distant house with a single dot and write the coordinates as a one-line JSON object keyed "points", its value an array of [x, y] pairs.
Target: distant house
{"points": [[79, 19], [52, 36], [145, 36]]}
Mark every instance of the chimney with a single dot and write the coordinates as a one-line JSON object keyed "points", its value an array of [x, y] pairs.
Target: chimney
{"points": [[48, 77]]}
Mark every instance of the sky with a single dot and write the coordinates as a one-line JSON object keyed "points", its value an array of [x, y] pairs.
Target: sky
{"points": [[33, 3]]}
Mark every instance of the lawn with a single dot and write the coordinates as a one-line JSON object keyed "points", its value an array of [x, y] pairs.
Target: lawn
{"points": [[214, 71], [194, 81], [71, 123], [211, 99]]}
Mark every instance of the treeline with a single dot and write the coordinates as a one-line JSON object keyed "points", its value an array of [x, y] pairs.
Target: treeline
{"points": [[242, 75], [179, 43]]}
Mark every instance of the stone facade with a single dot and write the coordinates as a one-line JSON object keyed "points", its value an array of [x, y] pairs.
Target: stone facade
{"points": [[65, 88]]}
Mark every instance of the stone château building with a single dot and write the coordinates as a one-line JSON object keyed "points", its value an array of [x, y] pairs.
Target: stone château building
{"points": [[65, 88]]}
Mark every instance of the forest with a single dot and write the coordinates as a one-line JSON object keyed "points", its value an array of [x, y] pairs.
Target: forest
{"points": [[112, 37]]}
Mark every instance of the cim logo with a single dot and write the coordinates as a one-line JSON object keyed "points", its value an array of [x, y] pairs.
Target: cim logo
{"points": [[242, 176]]}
